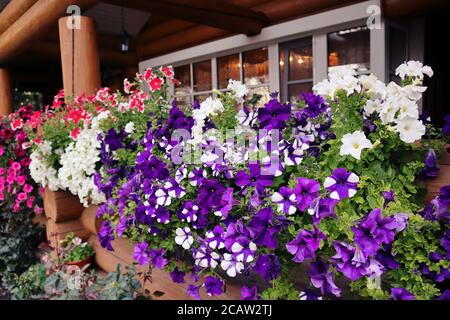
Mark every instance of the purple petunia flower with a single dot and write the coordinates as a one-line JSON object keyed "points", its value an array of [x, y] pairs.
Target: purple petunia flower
{"points": [[262, 230], [431, 168], [158, 259], [322, 208], [385, 257], [237, 240], [286, 200], [446, 129], [389, 196], [274, 115], [140, 253], [305, 245], [213, 286], [374, 230], [268, 266], [342, 184], [305, 192], [444, 195], [205, 257], [249, 293], [210, 196], [349, 260], [106, 235], [189, 212], [177, 275], [322, 279], [197, 176], [445, 295], [401, 294], [315, 104], [114, 139], [214, 238], [194, 291], [150, 166], [254, 179], [227, 202]]}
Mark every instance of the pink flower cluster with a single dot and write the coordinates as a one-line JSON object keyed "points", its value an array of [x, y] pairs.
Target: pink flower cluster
{"points": [[17, 189]]}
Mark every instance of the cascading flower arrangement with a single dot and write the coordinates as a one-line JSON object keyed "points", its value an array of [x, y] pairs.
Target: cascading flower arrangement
{"points": [[330, 183], [18, 192]]}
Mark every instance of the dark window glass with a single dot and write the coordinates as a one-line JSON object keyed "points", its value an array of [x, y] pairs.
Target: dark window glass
{"points": [[295, 90], [202, 76], [350, 46], [256, 66], [228, 67], [183, 74]]}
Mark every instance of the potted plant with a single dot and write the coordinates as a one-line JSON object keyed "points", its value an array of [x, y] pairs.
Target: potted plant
{"points": [[75, 251]]}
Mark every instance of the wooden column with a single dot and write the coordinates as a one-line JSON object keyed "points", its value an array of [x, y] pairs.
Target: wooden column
{"points": [[79, 57], [6, 99], [81, 75]]}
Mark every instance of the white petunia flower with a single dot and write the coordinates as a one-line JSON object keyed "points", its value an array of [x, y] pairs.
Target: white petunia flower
{"points": [[408, 108], [372, 106], [184, 237], [129, 127], [410, 129], [231, 266], [163, 198], [354, 143], [388, 111], [413, 69], [239, 89]]}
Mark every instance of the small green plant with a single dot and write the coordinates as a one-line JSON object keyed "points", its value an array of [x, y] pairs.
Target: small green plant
{"points": [[119, 285], [74, 249], [28, 285]]}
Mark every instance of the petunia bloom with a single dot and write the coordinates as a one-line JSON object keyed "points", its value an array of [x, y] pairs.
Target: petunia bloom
{"points": [[214, 286], [354, 143], [342, 184], [305, 244], [305, 192], [322, 279], [268, 266], [401, 294]]}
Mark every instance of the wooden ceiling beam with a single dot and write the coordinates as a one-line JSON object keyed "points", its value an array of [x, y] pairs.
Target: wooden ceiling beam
{"points": [[213, 13], [13, 11], [30, 26]]}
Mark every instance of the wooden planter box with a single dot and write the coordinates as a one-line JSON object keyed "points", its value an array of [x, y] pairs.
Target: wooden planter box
{"points": [[61, 206]]}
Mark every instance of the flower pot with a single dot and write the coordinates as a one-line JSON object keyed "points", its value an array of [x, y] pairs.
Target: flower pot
{"points": [[81, 263]]}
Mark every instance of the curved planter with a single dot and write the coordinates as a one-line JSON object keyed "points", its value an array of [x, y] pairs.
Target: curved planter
{"points": [[80, 264]]}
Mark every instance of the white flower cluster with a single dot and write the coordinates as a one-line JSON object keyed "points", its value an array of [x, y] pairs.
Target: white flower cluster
{"points": [[40, 171], [395, 105], [341, 77], [209, 107], [78, 166], [238, 89]]}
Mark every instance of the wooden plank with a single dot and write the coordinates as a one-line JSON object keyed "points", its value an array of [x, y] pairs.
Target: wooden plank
{"points": [[59, 230], [213, 15], [61, 206], [13, 11], [89, 221]]}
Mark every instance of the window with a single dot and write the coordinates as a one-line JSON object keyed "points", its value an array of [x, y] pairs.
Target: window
{"points": [[350, 46], [296, 68], [398, 49], [195, 82], [228, 67]]}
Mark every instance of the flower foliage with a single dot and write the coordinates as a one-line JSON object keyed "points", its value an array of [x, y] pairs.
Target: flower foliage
{"points": [[330, 182]]}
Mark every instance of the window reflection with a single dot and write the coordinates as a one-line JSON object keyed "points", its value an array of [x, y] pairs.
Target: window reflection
{"points": [[228, 67], [256, 67], [350, 46], [202, 76], [183, 74]]}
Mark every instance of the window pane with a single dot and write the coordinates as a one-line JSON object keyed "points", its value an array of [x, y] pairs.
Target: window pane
{"points": [[183, 74], [397, 51], [202, 76], [295, 90], [256, 66], [350, 46], [300, 63], [228, 67]]}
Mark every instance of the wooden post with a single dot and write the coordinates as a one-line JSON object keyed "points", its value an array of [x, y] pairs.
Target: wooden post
{"points": [[79, 57], [6, 99], [81, 75]]}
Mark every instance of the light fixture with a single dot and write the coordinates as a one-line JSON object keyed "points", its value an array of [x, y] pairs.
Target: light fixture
{"points": [[125, 37], [300, 60]]}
